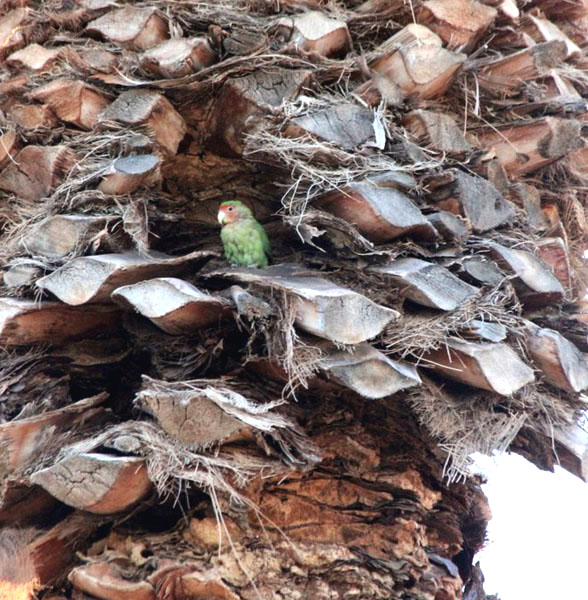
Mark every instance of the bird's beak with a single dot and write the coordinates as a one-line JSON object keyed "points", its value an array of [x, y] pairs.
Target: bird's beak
{"points": [[221, 217]]}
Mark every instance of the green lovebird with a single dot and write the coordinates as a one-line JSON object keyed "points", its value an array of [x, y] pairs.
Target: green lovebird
{"points": [[244, 239]]}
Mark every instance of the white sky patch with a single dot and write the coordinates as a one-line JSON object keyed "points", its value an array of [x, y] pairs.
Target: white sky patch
{"points": [[538, 535]]}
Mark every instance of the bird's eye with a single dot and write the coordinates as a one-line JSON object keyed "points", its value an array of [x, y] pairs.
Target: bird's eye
{"points": [[230, 208]]}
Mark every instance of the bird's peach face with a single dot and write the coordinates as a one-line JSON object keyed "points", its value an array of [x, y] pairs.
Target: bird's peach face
{"points": [[229, 213], [226, 214]]}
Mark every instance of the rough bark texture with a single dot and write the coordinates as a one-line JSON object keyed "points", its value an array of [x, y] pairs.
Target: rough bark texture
{"points": [[175, 428]]}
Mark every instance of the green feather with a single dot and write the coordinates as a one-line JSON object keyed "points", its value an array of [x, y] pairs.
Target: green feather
{"points": [[246, 243]]}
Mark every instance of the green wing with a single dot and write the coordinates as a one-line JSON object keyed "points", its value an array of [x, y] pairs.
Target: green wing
{"points": [[267, 249], [246, 244]]}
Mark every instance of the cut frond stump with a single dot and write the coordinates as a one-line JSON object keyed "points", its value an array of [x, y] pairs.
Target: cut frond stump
{"points": [[415, 61], [174, 305], [426, 283], [368, 372], [535, 283], [316, 225], [126, 174], [178, 57], [479, 270], [103, 484], [459, 23], [21, 439], [204, 412], [33, 117], [379, 213], [206, 586], [575, 440], [544, 30], [437, 130], [244, 101], [151, 111], [192, 417], [94, 60], [132, 27], [450, 227], [106, 580], [29, 322], [21, 504], [62, 235], [21, 274], [74, 102], [346, 125], [493, 367], [525, 147], [554, 253], [322, 308], [412, 34], [34, 57], [94, 278], [36, 170], [474, 198], [508, 11], [529, 199], [316, 33], [508, 73], [576, 162], [561, 363]]}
